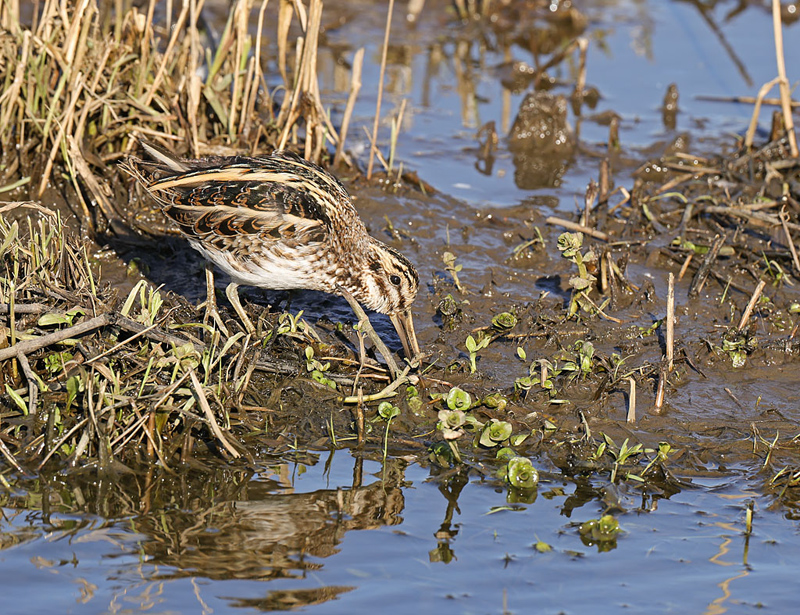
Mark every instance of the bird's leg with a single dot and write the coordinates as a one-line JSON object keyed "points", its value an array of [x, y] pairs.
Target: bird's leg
{"points": [[366, 327], [211, 302], [232, 291]]}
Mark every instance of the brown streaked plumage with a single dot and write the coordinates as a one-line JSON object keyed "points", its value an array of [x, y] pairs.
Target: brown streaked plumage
{"points": [[281, 222]]}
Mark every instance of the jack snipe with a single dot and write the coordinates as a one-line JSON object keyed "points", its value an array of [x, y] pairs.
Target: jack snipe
{"points": [[281, 222]]}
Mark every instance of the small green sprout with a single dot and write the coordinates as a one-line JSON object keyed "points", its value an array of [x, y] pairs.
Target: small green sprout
{"points": [[581, 362], [504, 321], [387, 411], [451, 423], [569, 244], [738, 344], [450, 266], [413, 399], [473, 347], [495, 401], [318, 369]]}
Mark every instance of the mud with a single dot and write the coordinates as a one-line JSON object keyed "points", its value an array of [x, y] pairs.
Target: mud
{"points": [[494, 172]]}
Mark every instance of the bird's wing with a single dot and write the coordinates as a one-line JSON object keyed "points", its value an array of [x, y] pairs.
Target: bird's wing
{"points": [[280, 198]]}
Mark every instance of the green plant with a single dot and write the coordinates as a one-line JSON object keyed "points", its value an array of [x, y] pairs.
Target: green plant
{"points": [[473, 347], [495, 432], [458, 399], [504, 322], [570, 244], [318, 369], [450, 266], [519, 473], [602, 530]]}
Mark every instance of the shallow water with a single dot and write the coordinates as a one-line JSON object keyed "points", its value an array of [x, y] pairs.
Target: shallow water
{"points": [[313, 536], [344, 533]]}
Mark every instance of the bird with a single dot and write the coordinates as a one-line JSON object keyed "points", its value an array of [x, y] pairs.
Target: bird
{"points": [[281, 222]]}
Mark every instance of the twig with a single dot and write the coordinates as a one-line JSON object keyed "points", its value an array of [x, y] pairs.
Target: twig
{"points": [[745, 100], [29, 346], [389, 391], [384, 54], [58, 444], [706, 266], [24, 308], [573, 226], [10, 457], [751, 305], [660, 391]]}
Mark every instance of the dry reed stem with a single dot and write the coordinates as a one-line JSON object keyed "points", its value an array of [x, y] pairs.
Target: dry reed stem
{"points": [[751, 129], [783, 216], [748, 311], [670, 341], [580, 228], [257, 73], [202, 400], [745, 100], [355, 88], [685, 266], [786, 95], [64, 127], [184, 14], [661, 390], [285, 12], [580, 82], [631, 417], [376, 122]]}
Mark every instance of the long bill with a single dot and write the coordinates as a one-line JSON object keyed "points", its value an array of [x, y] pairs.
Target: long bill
{"points": [[404, 324]]}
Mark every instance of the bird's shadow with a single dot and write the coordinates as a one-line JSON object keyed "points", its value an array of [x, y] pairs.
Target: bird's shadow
{"points": [[170, 262]]}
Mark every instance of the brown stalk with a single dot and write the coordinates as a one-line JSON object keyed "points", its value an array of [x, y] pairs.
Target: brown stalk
{"points": [[257, 74], [786, 95], [173, 40], [355, 88], [65, 127], [748, 311], [784, 217], [751, 129], [580, 228], [670, 341], [202, 400], [376, 122], [660, 391], [631, 418]]}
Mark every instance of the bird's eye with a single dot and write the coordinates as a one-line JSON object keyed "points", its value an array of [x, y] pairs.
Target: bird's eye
{"points": [[395, 279]]}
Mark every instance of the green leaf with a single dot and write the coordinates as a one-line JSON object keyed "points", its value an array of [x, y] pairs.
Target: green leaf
{"points": [[471, 345], [495, 432], [46, 320], [387, 411], [504, 321], [542, 547], [522, 474], [458, 399], [17, 400]]}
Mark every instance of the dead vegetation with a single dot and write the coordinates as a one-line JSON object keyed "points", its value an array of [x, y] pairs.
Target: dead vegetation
{"points": [[92, 378]]}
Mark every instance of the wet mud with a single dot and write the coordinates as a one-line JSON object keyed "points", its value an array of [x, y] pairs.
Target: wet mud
{"points": [[577, 357]]}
